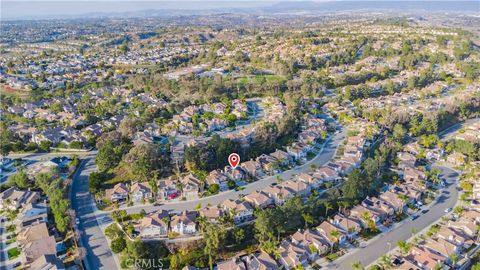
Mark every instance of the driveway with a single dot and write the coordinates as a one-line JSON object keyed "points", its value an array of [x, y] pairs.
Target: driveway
{"points": [[322, 158], [383, 243]]}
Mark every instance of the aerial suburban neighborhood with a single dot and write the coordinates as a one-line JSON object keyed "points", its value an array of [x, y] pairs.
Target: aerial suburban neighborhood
{"points": [[263, 136]]}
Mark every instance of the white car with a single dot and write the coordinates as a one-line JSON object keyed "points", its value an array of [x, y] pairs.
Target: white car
{"points": [[448, 210]]}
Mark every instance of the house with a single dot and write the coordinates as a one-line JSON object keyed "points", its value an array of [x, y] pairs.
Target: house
{"points": [[253, 168], [293, 255], [328, 230], [454, 236], [241, 211], [347, 224], [212, 214], [466, 226], [278, 194], [328, 173], [361, 212], [237, 174], [14, 198], [32, 250], [311, 238], [184, 223], [406, 160], [411, 174], [296, 152], [401, 263], [118, 193], [309, 179], [394, 200], [261, 261], [32, 213], [259, 199], [441, 246], [154, 224], [282, 157], [47, 262], [268, 163], [457, 159], [217, 177], [297, 187], [32, 233], [232, 264], [424, 258], [191, 186], [167, 189], [140, 191], [413, 193], [379, 206]]}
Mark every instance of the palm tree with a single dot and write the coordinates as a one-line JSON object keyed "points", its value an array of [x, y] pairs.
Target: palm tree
{"points": [[385, 261], [335, 235], [308, 218], [357, 266], [369, 220], [403, 246], [342, 205], [328, 206], [454, 259]]}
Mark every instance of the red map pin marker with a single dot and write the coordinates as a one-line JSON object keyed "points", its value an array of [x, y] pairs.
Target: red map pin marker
{"points": [[233, 159]]}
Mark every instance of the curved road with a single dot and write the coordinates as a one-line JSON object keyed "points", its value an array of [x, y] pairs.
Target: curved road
{"points": [[328, 153], [99, 255], [380, 245]]}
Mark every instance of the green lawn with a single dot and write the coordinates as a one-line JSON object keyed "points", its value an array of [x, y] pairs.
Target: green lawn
{"points": [[9, 241], [13, 253], [258, 79]]}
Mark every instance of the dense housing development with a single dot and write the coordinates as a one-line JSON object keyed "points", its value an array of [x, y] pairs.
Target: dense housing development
{"points": [[358, 135]]}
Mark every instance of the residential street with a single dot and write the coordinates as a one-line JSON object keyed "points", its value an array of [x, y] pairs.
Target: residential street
{"points": [[380, 245], [99, 255], [325, 156]]}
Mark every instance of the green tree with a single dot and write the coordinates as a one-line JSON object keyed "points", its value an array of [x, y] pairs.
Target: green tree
{"points": [[403, 246], [20, 179], [213, 236], [118, 244]]}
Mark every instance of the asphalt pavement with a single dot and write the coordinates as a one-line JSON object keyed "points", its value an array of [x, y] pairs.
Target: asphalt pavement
{"points": [[322, 158], [382, 244], [98, 253]]}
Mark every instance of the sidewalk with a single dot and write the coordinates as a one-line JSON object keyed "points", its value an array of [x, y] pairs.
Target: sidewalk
{"points": [[303, 166]]}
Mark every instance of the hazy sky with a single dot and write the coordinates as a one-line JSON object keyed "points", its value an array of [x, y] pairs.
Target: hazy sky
{"points": [[31, 9], [38, 8]]}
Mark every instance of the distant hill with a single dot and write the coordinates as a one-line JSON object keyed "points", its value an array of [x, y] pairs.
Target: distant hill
{"points": [[430, 6], [41, 9]]}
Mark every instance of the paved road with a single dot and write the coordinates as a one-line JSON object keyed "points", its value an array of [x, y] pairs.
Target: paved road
{"points": [[99, 255], [322, 158], [380, 246], [451, 131]]}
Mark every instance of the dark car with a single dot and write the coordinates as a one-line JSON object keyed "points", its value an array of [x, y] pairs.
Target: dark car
{"points": [[424, 211], [414, 217]]}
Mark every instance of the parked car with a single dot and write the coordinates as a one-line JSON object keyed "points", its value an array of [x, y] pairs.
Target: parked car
{"points": [[414, 217], [173, 196], [448, 210]]}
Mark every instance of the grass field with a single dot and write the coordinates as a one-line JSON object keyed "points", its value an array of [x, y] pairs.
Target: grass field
{"points": [[258, 79], [10, 91]]}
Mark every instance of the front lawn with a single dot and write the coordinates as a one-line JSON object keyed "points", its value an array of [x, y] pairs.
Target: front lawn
{"points": [[331, 257], [13, 253]]}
